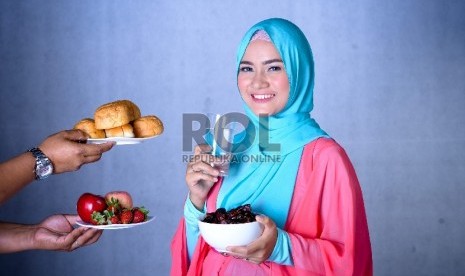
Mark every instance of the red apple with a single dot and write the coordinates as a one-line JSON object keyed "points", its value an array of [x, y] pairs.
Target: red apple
{"points": [[124, 198], [87, 204]]}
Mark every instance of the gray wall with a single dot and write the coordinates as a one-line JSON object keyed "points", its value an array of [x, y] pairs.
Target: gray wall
{"points": [[389, 87]]}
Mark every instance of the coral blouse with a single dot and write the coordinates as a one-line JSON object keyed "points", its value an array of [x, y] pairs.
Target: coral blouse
{"points": [[326, 224]]}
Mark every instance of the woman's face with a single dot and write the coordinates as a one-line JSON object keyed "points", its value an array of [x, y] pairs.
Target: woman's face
{"points": [[262, 79]]}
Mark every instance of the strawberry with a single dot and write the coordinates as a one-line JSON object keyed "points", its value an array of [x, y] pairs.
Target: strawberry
{"points": [[140, 214], [113, 205], [97, 218], [114, 220], [126, 216]]}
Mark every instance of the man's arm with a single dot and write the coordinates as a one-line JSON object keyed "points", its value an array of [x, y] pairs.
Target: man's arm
{"points": [[15, 174]]}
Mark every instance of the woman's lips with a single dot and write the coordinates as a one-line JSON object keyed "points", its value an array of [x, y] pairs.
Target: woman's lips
{"points": [[262, 98]]}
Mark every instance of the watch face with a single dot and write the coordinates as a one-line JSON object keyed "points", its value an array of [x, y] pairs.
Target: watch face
{"points": [[44, 170], [44, 166]]}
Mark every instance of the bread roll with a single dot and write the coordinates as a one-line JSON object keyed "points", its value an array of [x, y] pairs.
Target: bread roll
{"points": [[116, 114], [120, 131], [147, 126], [88, 126]]}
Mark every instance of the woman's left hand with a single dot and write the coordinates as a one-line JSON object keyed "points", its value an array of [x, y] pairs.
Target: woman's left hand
{"points": [[259, 250]]}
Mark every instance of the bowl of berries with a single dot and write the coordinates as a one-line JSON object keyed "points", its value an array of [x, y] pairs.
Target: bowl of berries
{"points": [[236, 227]]}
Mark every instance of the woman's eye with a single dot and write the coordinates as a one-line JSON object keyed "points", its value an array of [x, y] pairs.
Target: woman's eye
{"points": [[275, 68], [246, 69]]}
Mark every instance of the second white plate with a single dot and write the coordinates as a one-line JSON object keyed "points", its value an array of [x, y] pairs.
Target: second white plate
{"points": [[119, 140], [114, 226]]}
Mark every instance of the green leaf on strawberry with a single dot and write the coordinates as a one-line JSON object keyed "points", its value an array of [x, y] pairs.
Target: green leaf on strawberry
{"points": [[98, 218]]}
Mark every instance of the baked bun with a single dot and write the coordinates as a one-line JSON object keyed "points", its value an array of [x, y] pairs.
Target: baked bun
{"points": [[116, 114], [88, 126], [147, 126], [120, 131]]}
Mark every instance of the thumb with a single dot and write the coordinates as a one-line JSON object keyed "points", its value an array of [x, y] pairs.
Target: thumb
{"points": [[76, 135], [72, 219], [266, 222], [263, 220]]}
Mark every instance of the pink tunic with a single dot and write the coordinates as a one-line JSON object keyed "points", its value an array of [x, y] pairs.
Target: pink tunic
{"points": [[326, 224]]}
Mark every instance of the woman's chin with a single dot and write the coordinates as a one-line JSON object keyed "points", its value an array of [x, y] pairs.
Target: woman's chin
{"points": [[261, 110], [263, 113]]}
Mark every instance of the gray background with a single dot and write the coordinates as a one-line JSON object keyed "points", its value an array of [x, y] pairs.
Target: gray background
{"points": [[389, 87]]}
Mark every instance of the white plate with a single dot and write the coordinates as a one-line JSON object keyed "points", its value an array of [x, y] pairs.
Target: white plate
{"points": [[114, 226], [119, 140]]}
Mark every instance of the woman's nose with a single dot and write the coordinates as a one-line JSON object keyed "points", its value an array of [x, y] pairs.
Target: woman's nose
{"points": [[259, 81]]}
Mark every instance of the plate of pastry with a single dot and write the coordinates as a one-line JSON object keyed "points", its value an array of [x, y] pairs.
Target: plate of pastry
{"points": [[121, 122], [120, 140]]}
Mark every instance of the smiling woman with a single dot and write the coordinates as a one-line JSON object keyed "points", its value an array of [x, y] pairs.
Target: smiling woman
{"points": [[309, 200]]}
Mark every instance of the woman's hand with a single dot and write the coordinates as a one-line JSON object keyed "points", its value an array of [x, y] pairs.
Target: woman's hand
{"points": [[68, 151], [57, 233], [259, 250], [200, 176]]}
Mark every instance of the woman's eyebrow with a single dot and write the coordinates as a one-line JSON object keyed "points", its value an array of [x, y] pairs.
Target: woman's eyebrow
{"points": [[272, 61], [266, 62], [246, 62]]}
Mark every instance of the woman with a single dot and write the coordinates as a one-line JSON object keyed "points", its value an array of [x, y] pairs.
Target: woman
{"points": [[311, 202]]}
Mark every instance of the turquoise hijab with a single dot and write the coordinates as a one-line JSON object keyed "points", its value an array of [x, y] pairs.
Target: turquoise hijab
{"points": [[262, 175]]}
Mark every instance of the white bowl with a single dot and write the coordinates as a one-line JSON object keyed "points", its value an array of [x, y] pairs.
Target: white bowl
{"points": [[220, 236]]}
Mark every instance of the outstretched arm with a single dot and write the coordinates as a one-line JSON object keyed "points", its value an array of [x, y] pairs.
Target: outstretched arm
{"points": [[15, 174], [54, 233], [67, 151]]}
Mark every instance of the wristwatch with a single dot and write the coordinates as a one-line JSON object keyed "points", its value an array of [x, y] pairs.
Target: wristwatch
{"points": [[44, 167]]}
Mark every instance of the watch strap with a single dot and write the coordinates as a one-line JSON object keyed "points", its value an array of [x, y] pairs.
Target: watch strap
{"points": [[40, 157]]}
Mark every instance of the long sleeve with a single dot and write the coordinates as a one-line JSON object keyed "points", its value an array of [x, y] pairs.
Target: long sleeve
{"points": [[191, 216], [327, 224], [282, 250]]}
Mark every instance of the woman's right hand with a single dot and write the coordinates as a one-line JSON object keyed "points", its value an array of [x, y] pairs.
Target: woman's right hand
{"points": [[200, 176]]}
